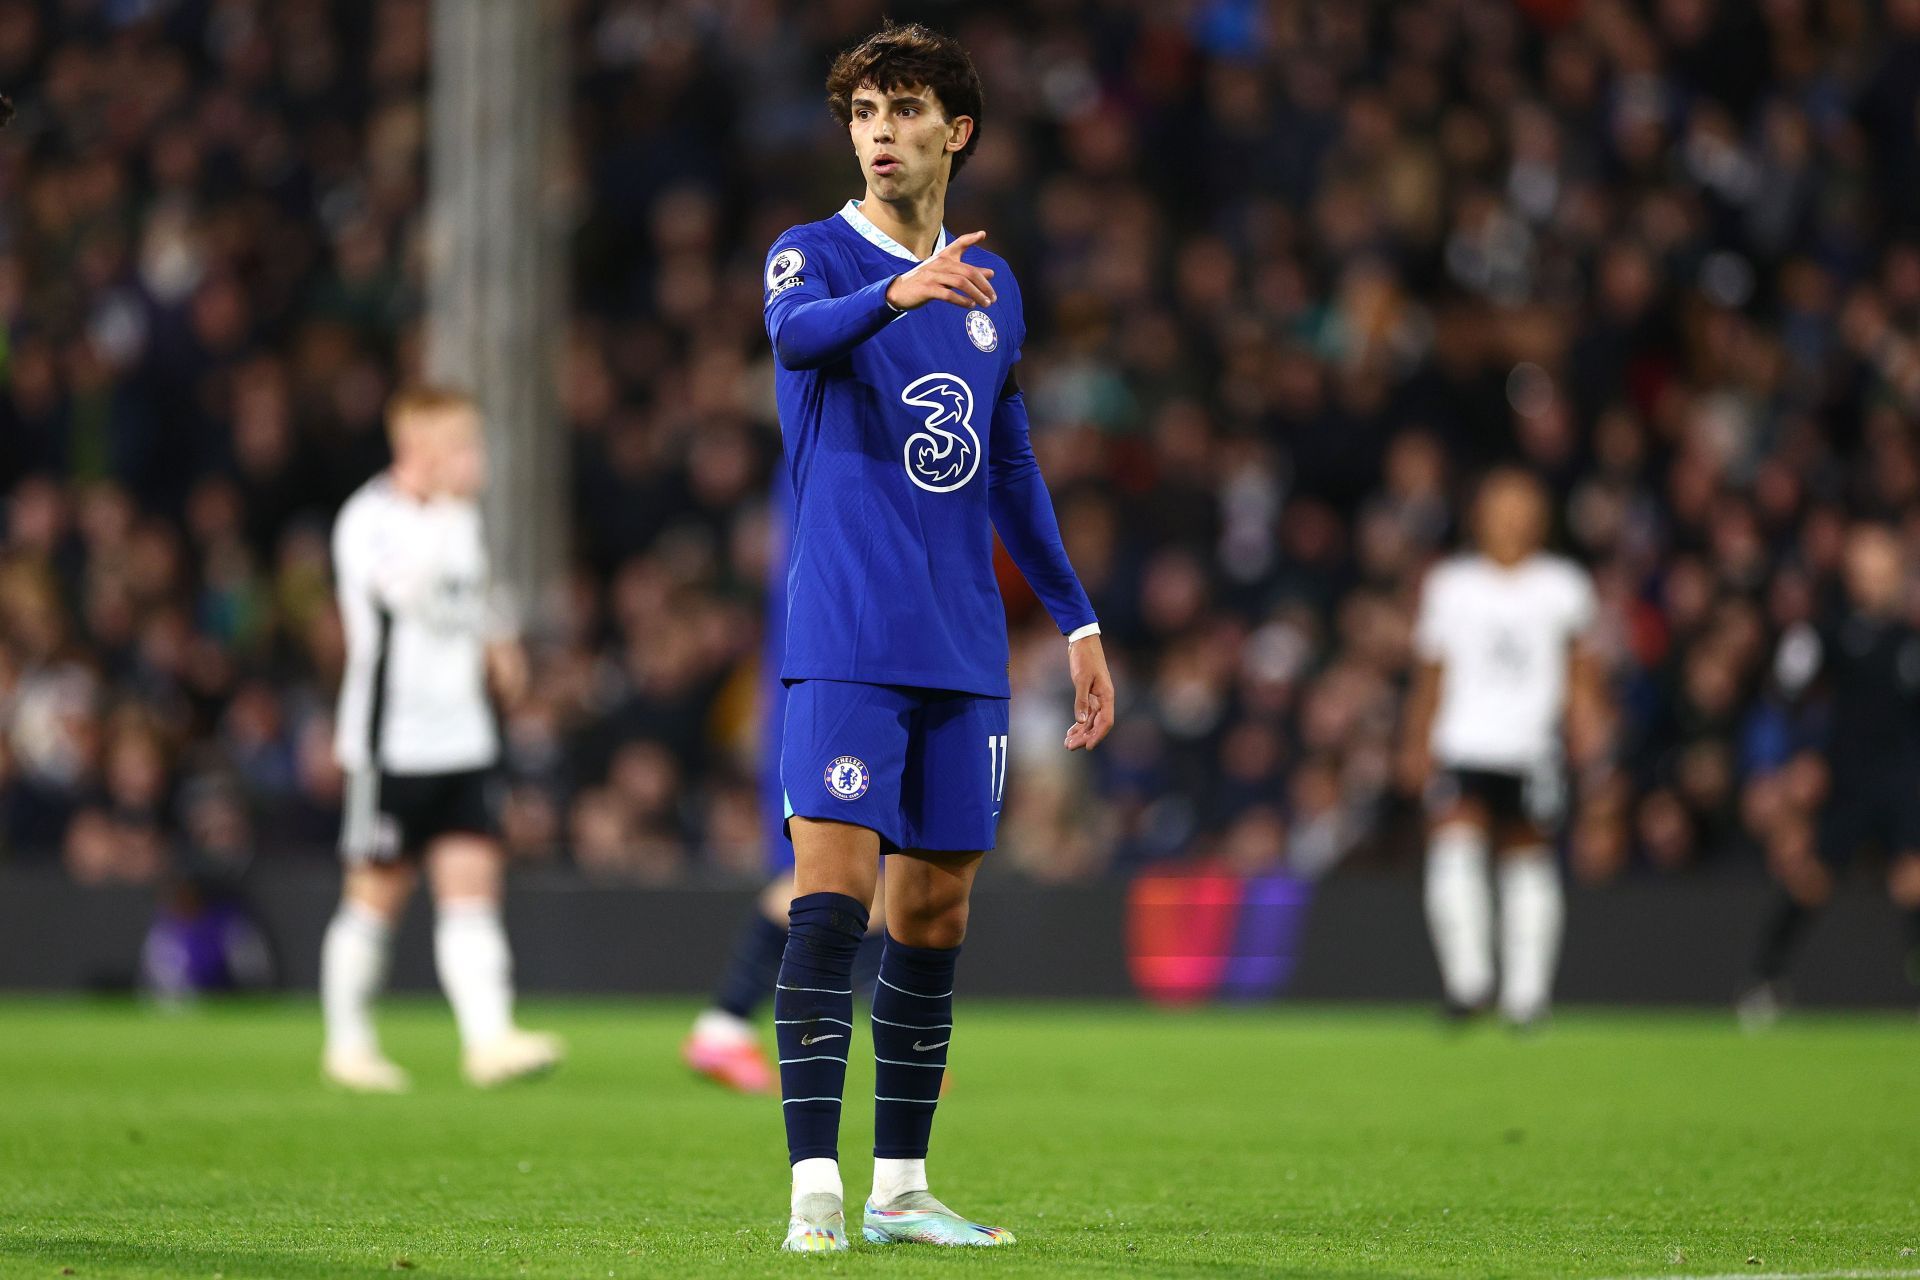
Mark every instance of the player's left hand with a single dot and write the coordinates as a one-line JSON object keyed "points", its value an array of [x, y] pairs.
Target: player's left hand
{"points": [[1092, 693]]}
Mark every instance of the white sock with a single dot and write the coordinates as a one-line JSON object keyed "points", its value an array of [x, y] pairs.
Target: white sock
{"points": [[894, 1178], [723, 1027], [353, 968], [813, 1176], [1531, 910], [476, 968], [1460, 912]]}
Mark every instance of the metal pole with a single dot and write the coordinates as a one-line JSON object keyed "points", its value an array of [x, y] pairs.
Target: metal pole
{"points": [[496, 310]]}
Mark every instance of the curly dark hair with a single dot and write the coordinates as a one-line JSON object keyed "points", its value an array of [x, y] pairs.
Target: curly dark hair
{"points": [[908, 55]]}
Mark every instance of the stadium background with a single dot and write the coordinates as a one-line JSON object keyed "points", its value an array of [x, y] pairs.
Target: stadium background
{"points": [[1294, 273]]}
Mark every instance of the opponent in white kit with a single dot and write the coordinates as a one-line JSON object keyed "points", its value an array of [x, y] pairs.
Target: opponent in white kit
{"points": [[418, 741], [1501, 670]]}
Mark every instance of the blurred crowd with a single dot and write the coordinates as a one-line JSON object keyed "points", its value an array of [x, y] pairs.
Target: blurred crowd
{"points": [[1294, 273]]}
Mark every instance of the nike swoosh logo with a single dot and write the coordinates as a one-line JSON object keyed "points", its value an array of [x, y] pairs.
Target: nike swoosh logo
{"points": [[922, 1048], [807, 1040]]}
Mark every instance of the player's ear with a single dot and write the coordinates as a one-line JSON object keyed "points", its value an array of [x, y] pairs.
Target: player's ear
{"points": [[959, 129]]}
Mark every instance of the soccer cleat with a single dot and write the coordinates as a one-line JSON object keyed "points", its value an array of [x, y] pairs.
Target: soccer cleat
{"points": [[917, 1218], [818, 1225], [730, 1056], [364, 1071], [517, 1055]]}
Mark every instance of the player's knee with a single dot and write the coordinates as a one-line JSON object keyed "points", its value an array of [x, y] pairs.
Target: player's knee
{"points": [[1461, 819], [466, 869], [381, 889], [1808, 883], [1527, 846], [1456, 848], [938, 929]]}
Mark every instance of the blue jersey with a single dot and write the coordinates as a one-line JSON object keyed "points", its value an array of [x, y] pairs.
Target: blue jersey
{"points": [[907, 444]]}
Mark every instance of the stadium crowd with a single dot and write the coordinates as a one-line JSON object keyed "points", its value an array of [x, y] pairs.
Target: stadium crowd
{"points": [[1294, 272]]}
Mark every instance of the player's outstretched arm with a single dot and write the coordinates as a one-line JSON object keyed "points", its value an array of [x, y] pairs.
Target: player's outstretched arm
{"points": [[945, 278], [1092, 693], [808, 333], [810, 327]]}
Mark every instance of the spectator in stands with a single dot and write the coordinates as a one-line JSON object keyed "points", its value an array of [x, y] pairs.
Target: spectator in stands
{"points": [[1295, 275]]}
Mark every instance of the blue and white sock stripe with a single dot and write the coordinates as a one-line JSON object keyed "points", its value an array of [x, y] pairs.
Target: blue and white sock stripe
{"points": [[916, 1026], [918, 995]]}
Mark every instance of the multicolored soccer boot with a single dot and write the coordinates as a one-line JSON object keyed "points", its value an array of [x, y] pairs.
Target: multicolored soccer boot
{"points": [[817, 1225], [917, 1218]]}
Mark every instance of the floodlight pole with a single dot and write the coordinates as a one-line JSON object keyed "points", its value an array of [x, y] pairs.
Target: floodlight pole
{"points": [[496, 242]]}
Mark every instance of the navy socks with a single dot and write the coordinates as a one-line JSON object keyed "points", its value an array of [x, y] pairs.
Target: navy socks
{"points": [[1782, 938], [753, 968], [813, 1019], [912, 1025]]}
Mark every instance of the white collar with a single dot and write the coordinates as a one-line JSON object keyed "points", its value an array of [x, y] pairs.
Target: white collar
{"points": [[875, 236]]}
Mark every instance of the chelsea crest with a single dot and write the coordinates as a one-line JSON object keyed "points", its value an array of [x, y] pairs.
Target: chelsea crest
{"points": [[847, 778], [981, 332]]}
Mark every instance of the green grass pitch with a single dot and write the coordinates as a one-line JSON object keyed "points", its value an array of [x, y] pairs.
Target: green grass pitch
{"points": [[1114, 1140]]}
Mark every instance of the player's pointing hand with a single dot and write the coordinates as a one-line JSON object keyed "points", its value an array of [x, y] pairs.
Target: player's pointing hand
{"points": [[1092, 693], [945, 278]]}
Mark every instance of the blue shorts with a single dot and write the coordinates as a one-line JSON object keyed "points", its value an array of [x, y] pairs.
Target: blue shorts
{"points": [[926, 768]]}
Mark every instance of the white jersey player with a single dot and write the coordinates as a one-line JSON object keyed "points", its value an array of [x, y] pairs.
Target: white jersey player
{"points": [[417, 741], [1500, 668]]}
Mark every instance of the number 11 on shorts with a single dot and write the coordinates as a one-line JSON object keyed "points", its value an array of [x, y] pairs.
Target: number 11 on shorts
{"points": [[997, 767]]}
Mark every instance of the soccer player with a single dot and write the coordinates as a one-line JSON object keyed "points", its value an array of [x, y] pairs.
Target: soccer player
{"points": [[417, 739], [1501, 669], [1868, 660], [907, 442]]}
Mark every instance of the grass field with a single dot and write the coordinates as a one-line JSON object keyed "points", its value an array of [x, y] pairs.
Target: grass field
{"points": [[1114, 1140]]}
